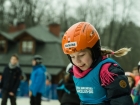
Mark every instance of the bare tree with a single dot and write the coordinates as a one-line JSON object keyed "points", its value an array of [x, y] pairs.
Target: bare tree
{"points": [[2, 14], [29, 11], [64, 17], [115, 33], [127, 6]]}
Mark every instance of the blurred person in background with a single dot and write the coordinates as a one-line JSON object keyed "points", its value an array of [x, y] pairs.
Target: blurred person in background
{"points": [[131, 79], [48, 84], [11, 77], [135, 71], [23, 89], [136, 90], [136, 94], [0, 82], [37, 81], [66, 91]]}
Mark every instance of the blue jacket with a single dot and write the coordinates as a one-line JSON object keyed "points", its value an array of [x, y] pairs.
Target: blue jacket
{"points": [[38, 80]]}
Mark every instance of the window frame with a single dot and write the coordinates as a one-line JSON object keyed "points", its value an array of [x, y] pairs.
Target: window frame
{"points": [[21, 46]]}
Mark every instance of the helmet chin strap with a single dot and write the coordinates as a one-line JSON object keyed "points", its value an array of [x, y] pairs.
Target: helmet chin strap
{"points": [[96, 58], [70, 58], [96, 53]]}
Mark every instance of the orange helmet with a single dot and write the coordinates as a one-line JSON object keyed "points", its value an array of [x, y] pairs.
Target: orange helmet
{"points": [[78, 37]]}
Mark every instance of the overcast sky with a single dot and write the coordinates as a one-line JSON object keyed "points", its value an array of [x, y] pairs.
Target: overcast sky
{"points": [[134, 11]]}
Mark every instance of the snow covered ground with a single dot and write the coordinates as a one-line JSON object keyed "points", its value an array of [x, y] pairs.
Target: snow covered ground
{"points": [[25, 101]]}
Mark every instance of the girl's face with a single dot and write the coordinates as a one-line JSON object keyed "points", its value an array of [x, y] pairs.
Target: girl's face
{"points": [[82, 59]]}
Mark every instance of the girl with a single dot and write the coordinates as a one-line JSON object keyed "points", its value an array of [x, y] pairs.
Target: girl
{"points": [[99, 80]]}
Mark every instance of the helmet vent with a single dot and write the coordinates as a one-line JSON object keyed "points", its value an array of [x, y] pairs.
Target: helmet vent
{"points": [[84, 28], [91, 34]]}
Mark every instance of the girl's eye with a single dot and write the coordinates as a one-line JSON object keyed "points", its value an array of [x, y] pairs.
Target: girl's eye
{"points": [[81, 55]]}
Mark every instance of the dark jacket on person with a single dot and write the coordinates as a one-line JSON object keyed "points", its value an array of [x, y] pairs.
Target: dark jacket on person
{"points": [[67, 93], [11, 79]]}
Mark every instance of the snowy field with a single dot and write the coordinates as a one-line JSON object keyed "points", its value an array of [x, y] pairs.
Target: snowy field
{"points": [[25, 101]]}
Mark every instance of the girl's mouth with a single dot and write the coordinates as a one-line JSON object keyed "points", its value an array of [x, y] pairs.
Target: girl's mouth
{"points": [[82, 65]]}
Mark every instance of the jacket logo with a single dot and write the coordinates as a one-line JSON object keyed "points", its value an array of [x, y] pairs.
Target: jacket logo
{"points": [[122, 84]]}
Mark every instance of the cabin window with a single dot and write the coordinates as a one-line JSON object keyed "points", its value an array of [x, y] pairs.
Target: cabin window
{"points": [[27, 46]]}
